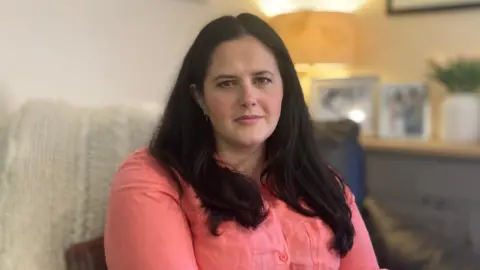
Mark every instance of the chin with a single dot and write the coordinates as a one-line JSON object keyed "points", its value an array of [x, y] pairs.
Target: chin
{"points": [[251, 142]]}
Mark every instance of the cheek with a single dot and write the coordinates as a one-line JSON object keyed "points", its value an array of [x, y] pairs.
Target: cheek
{"points": [[218, 106], [274, 104]]}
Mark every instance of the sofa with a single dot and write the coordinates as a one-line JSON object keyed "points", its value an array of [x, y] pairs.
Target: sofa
{"points": [[57, 161]]}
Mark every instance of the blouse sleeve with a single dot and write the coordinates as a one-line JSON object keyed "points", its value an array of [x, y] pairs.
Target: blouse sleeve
{"points": [[146, 227], [362, 255]]}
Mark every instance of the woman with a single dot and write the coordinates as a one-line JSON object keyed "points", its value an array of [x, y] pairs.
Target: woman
{"points": [[231, 178]]}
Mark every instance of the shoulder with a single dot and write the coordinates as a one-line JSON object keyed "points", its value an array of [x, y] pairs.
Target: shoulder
{"points": [[141, 172]]}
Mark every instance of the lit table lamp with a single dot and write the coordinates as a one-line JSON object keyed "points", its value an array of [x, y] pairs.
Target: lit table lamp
{"points": [[318, 37], [325, 39]]}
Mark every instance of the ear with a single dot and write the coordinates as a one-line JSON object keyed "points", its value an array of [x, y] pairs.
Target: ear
{"points": [[198, 97]]}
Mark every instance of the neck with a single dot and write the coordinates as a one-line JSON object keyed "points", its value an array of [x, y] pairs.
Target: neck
{"points": [[249, 161]]}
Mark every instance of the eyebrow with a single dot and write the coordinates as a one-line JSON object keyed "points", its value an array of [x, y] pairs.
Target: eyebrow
{"points": [[228, 76], [262, 72]]}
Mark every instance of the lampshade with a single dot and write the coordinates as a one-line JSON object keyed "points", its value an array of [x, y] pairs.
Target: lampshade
{"points": [[317, 36]]}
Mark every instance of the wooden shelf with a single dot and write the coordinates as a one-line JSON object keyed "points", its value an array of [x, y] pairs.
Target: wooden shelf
{"points": [[433, 148]]}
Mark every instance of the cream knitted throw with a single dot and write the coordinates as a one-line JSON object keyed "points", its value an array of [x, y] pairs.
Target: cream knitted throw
{"points": [[58, 165]]}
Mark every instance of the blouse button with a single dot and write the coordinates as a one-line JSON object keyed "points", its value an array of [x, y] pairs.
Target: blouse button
{"points": [[283, 257]]}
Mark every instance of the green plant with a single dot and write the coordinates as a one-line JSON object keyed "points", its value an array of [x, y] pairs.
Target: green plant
{"points": [[460, 75]]}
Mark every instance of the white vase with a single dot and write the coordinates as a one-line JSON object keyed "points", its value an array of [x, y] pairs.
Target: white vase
{"points": [[461, 118]]}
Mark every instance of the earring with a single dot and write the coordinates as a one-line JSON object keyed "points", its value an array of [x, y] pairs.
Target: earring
{"points": [[206, 116], [202, 107]]}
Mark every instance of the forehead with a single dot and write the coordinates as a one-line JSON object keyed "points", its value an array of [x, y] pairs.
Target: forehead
{"points": [[243, 55]]}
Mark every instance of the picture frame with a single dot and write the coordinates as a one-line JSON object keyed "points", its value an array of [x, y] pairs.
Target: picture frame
{"points": [[421, 6], [404, 112], [345, 98]]}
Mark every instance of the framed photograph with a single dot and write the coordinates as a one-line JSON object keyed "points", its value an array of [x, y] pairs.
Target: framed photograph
{"points": [[352, 98], [416, 6], [404, 111]]}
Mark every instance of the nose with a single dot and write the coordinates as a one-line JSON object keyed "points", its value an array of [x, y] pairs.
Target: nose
{"points": [[248, 97]]}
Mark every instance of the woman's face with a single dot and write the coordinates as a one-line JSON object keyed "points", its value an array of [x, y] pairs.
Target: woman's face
{"points": [[243, 93]]}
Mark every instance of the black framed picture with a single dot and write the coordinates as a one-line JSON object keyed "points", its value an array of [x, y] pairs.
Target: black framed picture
{"points": [[417, 6]]}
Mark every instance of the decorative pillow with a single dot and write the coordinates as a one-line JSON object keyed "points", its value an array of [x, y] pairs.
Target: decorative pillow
{"points": [[86, 256]]}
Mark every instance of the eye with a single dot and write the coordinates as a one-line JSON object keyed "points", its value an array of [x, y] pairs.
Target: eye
{"points": [[226, 84], [262, 81]]}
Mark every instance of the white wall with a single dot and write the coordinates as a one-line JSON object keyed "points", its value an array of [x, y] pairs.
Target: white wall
{"points": [[98, 51]]}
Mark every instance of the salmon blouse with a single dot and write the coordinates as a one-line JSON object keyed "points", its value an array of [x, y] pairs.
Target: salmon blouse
{"points": [[150, 227]]}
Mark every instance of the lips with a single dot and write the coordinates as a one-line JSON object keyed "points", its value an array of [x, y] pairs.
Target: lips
{"points": [[248, 117]]}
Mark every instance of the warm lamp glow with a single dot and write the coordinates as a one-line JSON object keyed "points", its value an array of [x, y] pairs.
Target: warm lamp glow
{"points": [[275, 7], [357, 116], [314, 37]]}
